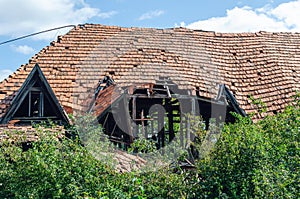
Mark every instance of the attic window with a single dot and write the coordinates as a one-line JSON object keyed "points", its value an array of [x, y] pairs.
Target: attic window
{"points": [[35, 101], [35, 105]]}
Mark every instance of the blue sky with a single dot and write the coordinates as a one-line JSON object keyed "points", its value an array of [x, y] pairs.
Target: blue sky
{"points": [[19, 17]]}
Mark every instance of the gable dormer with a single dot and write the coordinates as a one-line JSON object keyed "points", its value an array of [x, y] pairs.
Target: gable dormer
{"points": [[35, 102]]}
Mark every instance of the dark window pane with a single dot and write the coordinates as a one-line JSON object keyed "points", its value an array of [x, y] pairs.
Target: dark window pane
{"points": [[23, 110], [35, 104], [49, 109]]}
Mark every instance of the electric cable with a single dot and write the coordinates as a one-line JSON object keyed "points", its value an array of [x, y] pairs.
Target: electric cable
{"points": [[30, 35]]}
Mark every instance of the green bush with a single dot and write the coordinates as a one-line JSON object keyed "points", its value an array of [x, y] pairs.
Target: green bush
{"points": [[255, 160], [50, 169], [249, 160]]}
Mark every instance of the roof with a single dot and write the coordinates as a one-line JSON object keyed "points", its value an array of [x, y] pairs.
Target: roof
{"points": [[263, 65]]}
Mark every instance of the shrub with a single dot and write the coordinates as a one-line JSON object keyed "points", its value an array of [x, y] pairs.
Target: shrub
{"points": [[249, 160], [50, 169], [255, 160]]}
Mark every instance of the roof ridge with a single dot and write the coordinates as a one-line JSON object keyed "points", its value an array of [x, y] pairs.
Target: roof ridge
{"points": [[183, 29]]}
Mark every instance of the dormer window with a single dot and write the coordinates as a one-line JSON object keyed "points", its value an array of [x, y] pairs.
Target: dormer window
{"points": [[33, 105], [35, 101], [36, 104]]}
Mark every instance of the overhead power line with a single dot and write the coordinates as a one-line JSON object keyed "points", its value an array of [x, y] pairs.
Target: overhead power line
{"points": [[37, 33]]}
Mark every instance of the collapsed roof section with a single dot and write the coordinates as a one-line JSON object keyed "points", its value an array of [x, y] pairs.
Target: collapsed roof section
{"points": [[263, 65], [158, 111]]}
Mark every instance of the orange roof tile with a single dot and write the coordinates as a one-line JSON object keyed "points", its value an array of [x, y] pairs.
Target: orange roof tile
{"points": [[264, 65]]}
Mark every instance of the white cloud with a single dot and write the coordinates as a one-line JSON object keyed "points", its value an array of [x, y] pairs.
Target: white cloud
{"points": [[4, 73], [289, 14], [24, 49], [23, 17], [181, 24], [284, 17], [106, 15], [151, 14]]}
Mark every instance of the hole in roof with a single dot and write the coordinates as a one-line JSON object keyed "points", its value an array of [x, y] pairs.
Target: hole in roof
{"points": [[59, 38], [111, 72], [67, 47], [249, 61], [234, 54], [259, 73], [232, 83], [261, 51], [140, 49], [259, 79], [164, 78], [164, 61], [135, 65], [275, 112], [293, 70], [163, 51]]}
